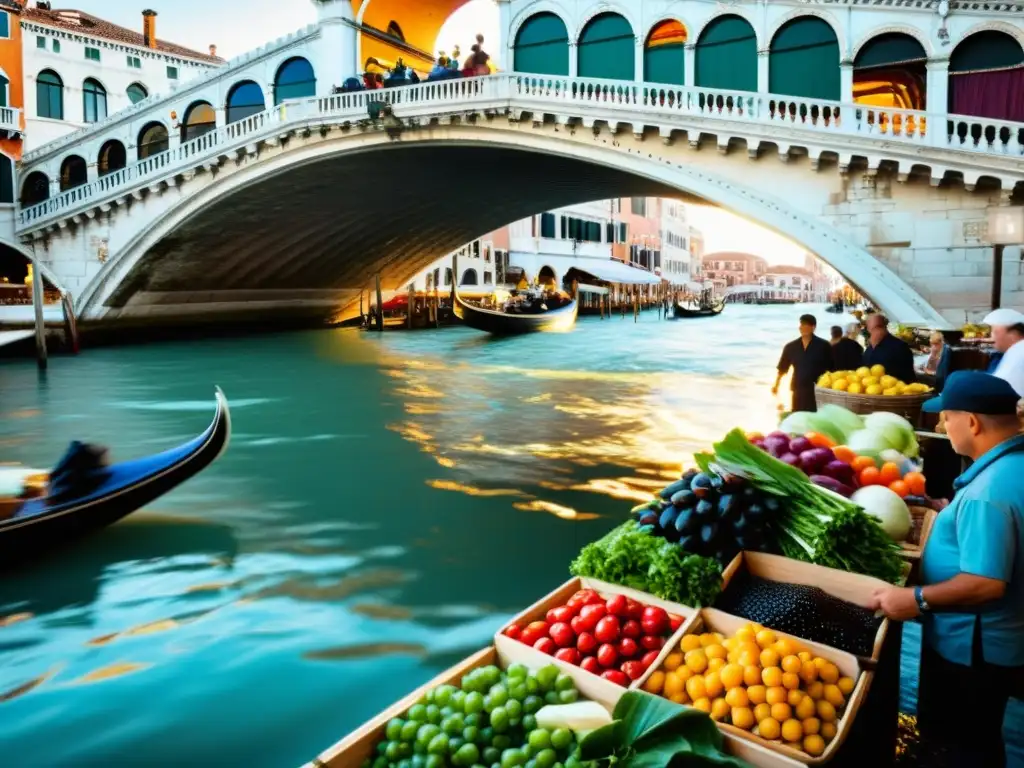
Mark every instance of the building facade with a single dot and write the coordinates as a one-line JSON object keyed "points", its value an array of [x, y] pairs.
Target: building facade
{"points": [[676, 238], [731, 269]]}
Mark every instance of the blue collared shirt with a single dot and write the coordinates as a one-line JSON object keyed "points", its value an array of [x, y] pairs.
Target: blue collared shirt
{"points": [[981, 532]]}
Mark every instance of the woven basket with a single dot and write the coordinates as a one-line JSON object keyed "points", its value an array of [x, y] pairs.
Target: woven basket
{"points": [[907, 406]]}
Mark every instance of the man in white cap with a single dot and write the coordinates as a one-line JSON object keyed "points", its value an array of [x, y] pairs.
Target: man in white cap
{"points": [[1008, 333]]}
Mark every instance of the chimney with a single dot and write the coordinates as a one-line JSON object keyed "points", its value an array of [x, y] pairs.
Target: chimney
{"points": [[149, 28], [213, 50]]}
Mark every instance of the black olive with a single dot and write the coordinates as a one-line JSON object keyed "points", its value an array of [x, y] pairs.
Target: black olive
{"points": [[684, 499], [678, 485]]}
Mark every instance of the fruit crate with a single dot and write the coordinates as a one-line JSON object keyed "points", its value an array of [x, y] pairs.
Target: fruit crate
{"points": [[712, 620], [922, 520], [854, 588], [590, 686], [907, 406]]}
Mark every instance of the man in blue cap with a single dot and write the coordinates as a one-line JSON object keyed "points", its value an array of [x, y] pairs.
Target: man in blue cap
{"points": [[971, 603]]}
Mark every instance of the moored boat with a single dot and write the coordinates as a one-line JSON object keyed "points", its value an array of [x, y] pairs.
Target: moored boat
{"points": [[500, 323], [82, 494], [708, 310]]}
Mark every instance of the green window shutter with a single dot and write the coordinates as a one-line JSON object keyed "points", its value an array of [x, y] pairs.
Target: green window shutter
{"points": [[610, 232], [564, 230], [726, 55], [542, 46], [606, 48], [804, 60], [547, 225]]}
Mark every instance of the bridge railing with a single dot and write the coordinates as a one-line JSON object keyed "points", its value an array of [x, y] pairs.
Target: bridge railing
{"points": [[601, 99]]}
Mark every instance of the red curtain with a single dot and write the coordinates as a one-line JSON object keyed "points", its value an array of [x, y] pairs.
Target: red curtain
{"points": [[998, 95]]}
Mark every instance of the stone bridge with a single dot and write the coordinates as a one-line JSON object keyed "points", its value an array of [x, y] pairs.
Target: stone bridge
{"points": [[294, 208]]}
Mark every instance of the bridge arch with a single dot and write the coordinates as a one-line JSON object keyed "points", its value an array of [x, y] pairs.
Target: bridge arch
{"points": [[540, 44], [141, 251], [200, 118], [74, 172], [726, 54], [153, 139], [664, 52], [245, 98], [294, 79], [112, 157], [35, 188]]}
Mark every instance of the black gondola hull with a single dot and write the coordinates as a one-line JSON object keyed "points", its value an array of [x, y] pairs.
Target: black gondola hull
{"points": [[682, 312], [506, 324], [40, 525]]}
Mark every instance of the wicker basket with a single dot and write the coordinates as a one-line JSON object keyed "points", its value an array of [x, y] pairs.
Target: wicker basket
{"points": [[907, 406]]}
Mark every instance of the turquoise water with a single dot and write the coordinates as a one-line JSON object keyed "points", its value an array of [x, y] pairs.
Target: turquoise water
{"points": [[386, 503]]}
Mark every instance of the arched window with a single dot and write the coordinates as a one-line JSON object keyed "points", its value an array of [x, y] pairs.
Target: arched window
{"points": [[607, 48], [664, 53], [542, 46], [35, 189], [6, 179], [94, 101], [73, 173], [244, 99], [200, 118], [5, 91], [890, 71], [469, 277], [726, 55], [137, 92], [153, 140], [50, 95], [295, 79], [395, 31], [113, 157], [804, 60], [986, 77]]}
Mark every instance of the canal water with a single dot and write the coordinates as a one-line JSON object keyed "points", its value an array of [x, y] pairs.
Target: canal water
{"points": [[386, 504]]}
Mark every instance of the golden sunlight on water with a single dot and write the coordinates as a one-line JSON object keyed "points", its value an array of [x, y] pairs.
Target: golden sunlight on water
{"points": [[110, 672]]}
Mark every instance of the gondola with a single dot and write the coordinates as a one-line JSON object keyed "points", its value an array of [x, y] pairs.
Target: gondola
{"points": [[508, 324], [679, 311], [81, 495], [836, 309]]}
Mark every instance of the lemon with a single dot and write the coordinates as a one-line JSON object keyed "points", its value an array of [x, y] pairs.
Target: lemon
{"points": [[854, 388], [743, 718], [828, 731], [878, 370], [811, 725], [737, 697], [872, 389], [869, 381], [689, 643], [703, 704], [814, 745], [758, 694], [769, 728], [792, 730], [762, 712], [888, 381], [840, 385], [825, 380], [845, 685], [655, 683], [865, 371], [719, 710], [890, 392]]}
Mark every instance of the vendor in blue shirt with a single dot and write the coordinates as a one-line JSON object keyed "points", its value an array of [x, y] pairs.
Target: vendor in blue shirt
{"points": [[972, 571]]}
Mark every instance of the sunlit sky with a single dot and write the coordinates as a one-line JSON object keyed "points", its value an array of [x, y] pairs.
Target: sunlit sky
{"points": [[198, 23]]}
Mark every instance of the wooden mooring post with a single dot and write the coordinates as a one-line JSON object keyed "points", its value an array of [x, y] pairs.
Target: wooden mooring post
{"points": [[380, 306], [37, 304], [412, 305]]}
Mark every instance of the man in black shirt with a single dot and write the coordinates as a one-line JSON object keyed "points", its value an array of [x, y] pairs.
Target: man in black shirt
{"points": [[809, 357], [886, 350], [846, 350]]}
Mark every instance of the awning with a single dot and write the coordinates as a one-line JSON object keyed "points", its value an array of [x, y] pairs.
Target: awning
{"points": [[612, 271], [596, 289]]}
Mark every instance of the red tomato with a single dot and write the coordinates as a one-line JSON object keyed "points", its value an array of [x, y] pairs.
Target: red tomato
{"points": [[563, 613], [617, 605], [652, 643], [607, 629], [649, 658], [576, 622], [590, 615], [563, 635], [586, 597], [545, 645], [534, 631], [632, 629], [616, 677], [634, 609], [634, 670], [586, 643], [674, 622], [513, 631], [591, 664], [654, 620], [607, 655], [568, 655], [628, 647]]}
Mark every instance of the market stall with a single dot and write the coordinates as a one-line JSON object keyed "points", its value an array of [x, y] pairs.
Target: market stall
{"points": [[725, 619]]}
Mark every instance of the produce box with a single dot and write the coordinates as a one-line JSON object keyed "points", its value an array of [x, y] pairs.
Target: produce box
{"points": [[923, 518], [854, 588], [846, 667], [590, 685]]}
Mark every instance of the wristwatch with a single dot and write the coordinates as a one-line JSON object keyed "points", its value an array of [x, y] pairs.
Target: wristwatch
{"points": [[922, 604]]}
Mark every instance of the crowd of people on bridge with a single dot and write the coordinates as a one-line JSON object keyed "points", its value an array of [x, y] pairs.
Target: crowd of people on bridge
{"points": [[446, 67]]}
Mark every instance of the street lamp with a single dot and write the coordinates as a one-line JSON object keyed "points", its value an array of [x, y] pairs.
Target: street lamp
{"points": [[1005, 227]]}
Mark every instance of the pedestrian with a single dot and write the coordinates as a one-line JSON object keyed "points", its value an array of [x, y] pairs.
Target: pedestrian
{"points": [[846, 350], [1008, 333], [971, 598], [886, 350], [809, 356]]}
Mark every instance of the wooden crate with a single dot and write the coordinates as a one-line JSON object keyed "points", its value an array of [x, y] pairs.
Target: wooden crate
{"points": [[712, 620], [854, 588], [923, 518], [590, 686]]}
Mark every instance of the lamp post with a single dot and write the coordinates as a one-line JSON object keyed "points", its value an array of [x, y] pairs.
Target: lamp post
{"points": [[1005, 227]]}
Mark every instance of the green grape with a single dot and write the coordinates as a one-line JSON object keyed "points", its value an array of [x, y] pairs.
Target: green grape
{"points": [[531, 763], [405, 763], [443, 695], [493, 674], [561, 738], [467, 755], [435, 761], [394, 730], [553, 697], [491, 755], [546, 758], [546, 676], [447, 712], [501, 741], [418, 712], [419, 761], [529, 723], [438, 745], [568, 697], [531, 704], [511, 758], [474, 719], [474, 703], [433, 713], [514, 708], [539, 739], [532, 686], [517, 690], [499, 720], [486, 734], [453, 724], [471, 733], [518, 671], [392, 751], [498, 694], [426, 732], [380, 762], [409, 731], [564, 683], [454, 744], [458, 700]]}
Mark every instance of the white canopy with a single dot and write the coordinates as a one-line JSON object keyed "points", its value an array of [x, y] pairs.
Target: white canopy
{"points": [[614, 271], [596, 289]]}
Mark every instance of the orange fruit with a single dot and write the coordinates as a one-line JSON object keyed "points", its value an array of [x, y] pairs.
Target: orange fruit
{"points": [[915, 482], [870, 476], [820, 441], [900, 488], [890, 473], [752, 436], [861, 463], [844, 454]]}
